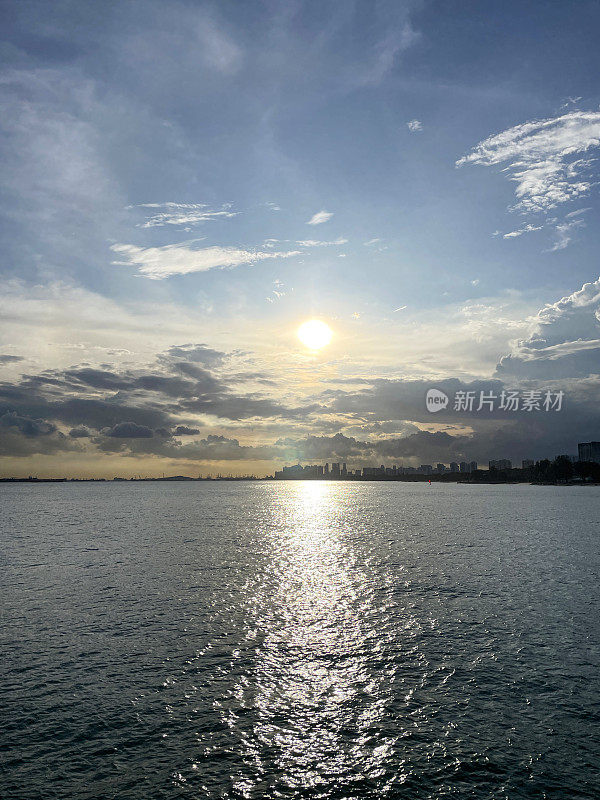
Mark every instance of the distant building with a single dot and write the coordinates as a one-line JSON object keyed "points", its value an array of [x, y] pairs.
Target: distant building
{"points": [[298, 472], [373, 472], [440, 469], [291, 473], [454, 466], [526, 463], [472, 466], [572, 459], [335, 470], [426, 469], [501, 463], [589, 451], [464, 467]]}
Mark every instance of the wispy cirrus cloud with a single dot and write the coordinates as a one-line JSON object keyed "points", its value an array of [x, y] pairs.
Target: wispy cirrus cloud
{"points": [[377, 244], [183, 258], [545, 158], [320, 217], [566, 228], [317, 243], [520, 231], [182, 213], [414, 125]]}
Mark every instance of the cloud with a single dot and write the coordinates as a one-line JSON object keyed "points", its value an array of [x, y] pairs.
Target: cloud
{"points": [[548, 160], [129, 430], [564, 232], [80, 433], [564, 340], [377, 244], [26, 425], [414, 125], [218, 49], [320, 217], [521, 231], [183, 430], [8, 359], [197, 353], [386, 52], [182, 214], [571, 101], [316, 243], [181, 259], [400, 308], [163, 399]]}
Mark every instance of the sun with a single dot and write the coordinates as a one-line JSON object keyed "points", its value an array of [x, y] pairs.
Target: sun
{"points": [[315, 334]]}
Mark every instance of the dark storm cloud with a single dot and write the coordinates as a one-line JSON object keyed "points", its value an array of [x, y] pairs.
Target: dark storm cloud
{"points": [[212, 448], [107, 404], [203, 382], [422, 445], [238, 407], [96, 379], [482, 434], [25, 436], [7, 359], [79, 433], [129, 430], [324, 447], [77, 411], [26, 425], [426, 445]]}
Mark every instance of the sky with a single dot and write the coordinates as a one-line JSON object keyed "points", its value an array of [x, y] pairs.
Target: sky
{"points": [[185, 183]]}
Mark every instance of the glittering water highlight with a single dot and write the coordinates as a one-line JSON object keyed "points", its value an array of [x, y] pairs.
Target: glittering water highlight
{"points": [[307, 639]]}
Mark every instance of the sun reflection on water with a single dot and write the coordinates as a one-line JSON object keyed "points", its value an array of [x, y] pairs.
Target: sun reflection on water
{"points": [[314, 694]]}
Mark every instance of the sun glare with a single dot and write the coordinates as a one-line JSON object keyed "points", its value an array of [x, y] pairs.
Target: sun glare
{"points": [[315, 334]]}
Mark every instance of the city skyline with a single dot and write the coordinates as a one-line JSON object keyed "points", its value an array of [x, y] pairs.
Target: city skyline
{"points": [[187, 186]]}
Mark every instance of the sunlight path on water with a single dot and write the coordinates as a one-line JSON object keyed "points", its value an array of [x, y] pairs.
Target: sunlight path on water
{"points": [[319, 684]]}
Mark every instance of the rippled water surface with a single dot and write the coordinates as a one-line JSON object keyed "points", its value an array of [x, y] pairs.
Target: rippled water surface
{"points": [[314, 640]]}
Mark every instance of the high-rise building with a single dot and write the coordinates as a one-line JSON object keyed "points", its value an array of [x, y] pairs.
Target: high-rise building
{"points": [[526, 463], [372, 472], [464, 467], [501, 463], [472, 466], [589, 451], [335, 469], [454, 466]]}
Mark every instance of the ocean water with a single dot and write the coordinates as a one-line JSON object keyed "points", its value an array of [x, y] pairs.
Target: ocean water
{"points": [[299, 640]]}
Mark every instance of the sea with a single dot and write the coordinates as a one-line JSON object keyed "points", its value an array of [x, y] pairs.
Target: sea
{"points": [[302, 639]]}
